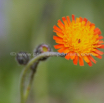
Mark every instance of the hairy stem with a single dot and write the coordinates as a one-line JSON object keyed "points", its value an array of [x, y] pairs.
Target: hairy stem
{"points": [[34, 67], [28, 66]]}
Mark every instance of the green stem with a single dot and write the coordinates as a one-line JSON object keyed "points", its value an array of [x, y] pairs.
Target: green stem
{"points": [[28, 66], [22, 86], [34, 67]]}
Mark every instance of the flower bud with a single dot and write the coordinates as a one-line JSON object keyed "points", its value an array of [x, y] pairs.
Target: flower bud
{"points": [[41, 49], [22, 58]]}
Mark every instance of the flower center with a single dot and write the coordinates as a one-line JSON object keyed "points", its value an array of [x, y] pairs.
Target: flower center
{"points": [[79, 37]]}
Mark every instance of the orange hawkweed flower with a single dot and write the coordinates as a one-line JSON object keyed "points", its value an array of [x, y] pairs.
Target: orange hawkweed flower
{"points": [[79, 39]]}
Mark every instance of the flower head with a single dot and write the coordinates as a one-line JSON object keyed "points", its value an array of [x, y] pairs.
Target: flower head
{"points": [[79, 39]]}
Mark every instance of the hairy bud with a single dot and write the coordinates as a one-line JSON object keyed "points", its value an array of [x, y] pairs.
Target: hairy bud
{"points": [[41, 49], [22, 58]]}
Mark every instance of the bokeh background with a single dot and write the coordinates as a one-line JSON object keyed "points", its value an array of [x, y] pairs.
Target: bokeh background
{"points": [[24, 24]]}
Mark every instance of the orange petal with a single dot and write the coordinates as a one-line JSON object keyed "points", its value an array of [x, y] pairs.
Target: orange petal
{"points": [[66, 50], [56, 28], [85, 20], [58, 39], [59, 42], [86, 59], [81, 63], [100, 37], [75, 60], [98, 45], [73, 17], [77, 20], [97, 31], [91, 58], [72, 55], [100, 42], [92, 26], [61, 50], [68, 19], [65, 21], [60, 24], [90, 63], [67, 56], [60, 34], [80, 19], [88, 23], [98, 52], [58, 46], [94, 54], [102, 47], [99, 56]]}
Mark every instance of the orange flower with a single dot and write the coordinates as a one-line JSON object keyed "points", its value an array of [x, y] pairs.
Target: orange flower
{"points": [[79, 39]]}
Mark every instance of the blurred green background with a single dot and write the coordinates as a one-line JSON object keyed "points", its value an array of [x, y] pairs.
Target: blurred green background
{"points": [[24, 24]]}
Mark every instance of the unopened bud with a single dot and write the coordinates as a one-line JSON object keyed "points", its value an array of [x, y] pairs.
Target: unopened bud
{"points": [[22, 58], [41, 49]]}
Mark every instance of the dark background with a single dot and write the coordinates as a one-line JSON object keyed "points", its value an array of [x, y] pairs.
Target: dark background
{"points": [[24, 24]]}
